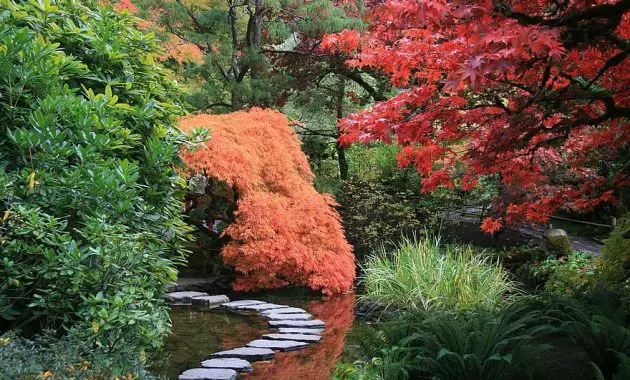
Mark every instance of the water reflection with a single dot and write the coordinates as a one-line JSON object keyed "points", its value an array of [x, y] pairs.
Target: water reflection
{"points": [[197, 334]]}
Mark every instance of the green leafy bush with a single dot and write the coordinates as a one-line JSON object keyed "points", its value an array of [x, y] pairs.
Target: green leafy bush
{"points": [[568, 275], [423, 274], [90, 224], [449, 346]]}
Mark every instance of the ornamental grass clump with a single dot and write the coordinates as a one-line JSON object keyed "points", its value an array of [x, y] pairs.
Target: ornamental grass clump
{"points": [[422, 274]]}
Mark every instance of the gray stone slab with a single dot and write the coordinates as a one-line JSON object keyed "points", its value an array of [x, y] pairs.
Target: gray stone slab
{"points": [[298, 337], [208, 374], [209, 302], [239, 365], [261, 307], [307, 324], [235, 304], [289, 317], [282, 345], [297, 330], [286, 310], [183, 298], [248, 353]]}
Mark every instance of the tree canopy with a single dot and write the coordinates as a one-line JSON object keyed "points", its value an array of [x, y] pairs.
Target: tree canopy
{"points": [[532, 93]]}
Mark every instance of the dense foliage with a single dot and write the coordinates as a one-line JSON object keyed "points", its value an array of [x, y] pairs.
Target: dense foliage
{"points": [[425, 275], [90, 223], [534, 93], [285, 232]]}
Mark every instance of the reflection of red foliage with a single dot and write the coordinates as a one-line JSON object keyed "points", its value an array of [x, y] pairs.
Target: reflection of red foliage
{"points": [[314, 363], [285, 232]]}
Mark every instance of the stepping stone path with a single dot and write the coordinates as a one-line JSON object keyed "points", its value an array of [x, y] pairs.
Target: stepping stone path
{"points": [[296, 330]]}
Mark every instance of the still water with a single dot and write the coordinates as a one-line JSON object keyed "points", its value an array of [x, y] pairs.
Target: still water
{"points": [[197, 334]]}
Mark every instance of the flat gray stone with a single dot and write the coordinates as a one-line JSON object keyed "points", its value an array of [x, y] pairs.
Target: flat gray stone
{"points": [[298, 337], [209, 302], [208, 374], [289, 317], [308, 324], [235, 304], [261, 307], [286, 310], [183, 298], [282, 345], [296, 330], [239, 365], [248, 353]]}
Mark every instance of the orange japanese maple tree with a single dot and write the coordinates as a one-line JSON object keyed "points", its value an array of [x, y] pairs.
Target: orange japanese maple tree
{"points": [[285, 232], [534, 93]]}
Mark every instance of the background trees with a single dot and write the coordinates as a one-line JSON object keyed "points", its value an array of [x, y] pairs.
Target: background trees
{"points": [[533, 94]]}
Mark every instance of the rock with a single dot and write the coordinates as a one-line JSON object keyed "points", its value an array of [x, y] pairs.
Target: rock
{"points": [[312, 323], [236, 304], [557, 241], [208, 374], [197, 185], [261, 307], [295, 330], [282, 345], [286, 310], [289, 317], [183, 298], [298, 337], [239, 365], [209, 302], [248, 353]]}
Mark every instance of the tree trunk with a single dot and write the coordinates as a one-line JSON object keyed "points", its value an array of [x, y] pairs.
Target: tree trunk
{"points": [[341, 151]]}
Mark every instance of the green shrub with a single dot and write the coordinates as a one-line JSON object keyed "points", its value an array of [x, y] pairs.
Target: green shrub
{"points": [[49, 357], [568, 275], [423, 274], [615, 258], [90, 224], [451, 346]]}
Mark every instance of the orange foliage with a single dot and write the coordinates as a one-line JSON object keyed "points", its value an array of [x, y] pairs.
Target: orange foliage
{"points": [[285, 232], [316, 362]]}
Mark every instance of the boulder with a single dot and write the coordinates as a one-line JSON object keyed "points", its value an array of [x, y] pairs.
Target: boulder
{"points": [[183, 298], [209, 302], [557, 241]]}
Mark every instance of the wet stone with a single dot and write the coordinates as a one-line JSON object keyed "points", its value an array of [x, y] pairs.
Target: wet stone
{"points": [[261, 307], [239, 365], [289, 317], [282, 345], [235, 304], [209, 302], [298, 337], [308, 324], [183, 298], [297, 330], [286, 310], [249, 353], [208, 374]]}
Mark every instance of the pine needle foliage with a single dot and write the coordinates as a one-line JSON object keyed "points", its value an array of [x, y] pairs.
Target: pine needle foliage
{"points": [[285, 232], [423, 274]]}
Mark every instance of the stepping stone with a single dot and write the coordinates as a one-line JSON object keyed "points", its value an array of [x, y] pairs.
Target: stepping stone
{"points": [[289, 317], [282, 345], [235, 304], [298, 337], [295, 330], [248, 353], [286, 310], [307, 324], [183, 298], [239, 365], [209, 302], [261, 307], [208, 374]]}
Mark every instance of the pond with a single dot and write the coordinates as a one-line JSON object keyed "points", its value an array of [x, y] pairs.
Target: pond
{"points": [[197, 334]]}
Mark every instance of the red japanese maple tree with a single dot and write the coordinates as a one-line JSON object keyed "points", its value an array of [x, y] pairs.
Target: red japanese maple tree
{"points": [[285, 232], [535, 93]]}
